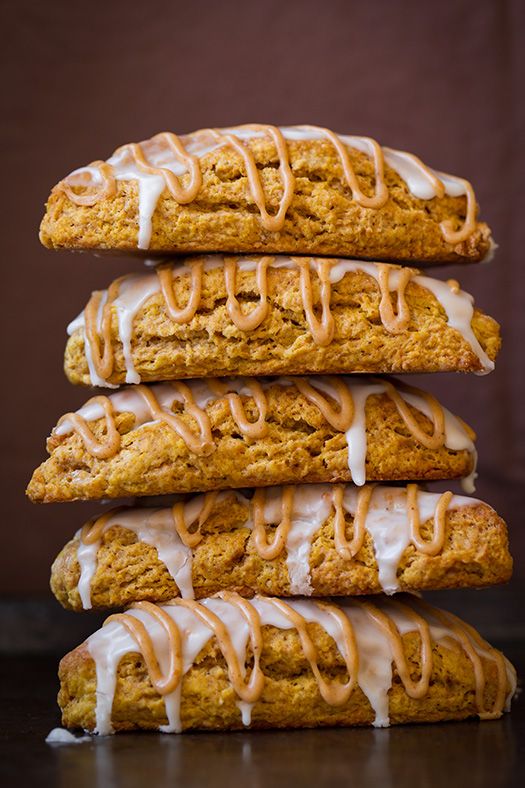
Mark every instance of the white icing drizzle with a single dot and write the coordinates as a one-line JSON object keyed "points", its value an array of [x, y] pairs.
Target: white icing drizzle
{"points": [[386, 522], [136, 289], [246, 712], [87, 561], [110, 644], [459, 307], [153, 527], [128, 399], [311, 508], [107, 647], [356, 435], [375, 663]]}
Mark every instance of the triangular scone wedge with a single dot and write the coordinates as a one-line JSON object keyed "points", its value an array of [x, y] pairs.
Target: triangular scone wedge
{"points": [[242, 432], [276, 315], [226, 663], [309, 539], [300, 189]]}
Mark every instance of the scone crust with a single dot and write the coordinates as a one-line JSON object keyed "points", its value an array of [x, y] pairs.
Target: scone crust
{"points": [[300, 446], [290, 698], [210, 343], [322, 218], [475, 554]]}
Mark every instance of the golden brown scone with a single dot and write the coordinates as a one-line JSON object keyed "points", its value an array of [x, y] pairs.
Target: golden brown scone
{"points": [[250, 200], [378, 645], [134, 554], [159, 440], [276, 315]]}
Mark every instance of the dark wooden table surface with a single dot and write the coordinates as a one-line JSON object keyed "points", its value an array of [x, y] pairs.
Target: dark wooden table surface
{"points": [[453, 754]]}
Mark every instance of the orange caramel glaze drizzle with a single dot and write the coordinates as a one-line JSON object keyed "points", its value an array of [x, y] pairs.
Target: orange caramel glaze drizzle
{"points": [[435, 545], [339, 417], [333, 693], [182, 194], [452, 236], [468, 639], [102, 361], [92, 531], [189, 532], [346, 549], [185, 314], [109, 186], [437, 439], [250, 688], [252, 430], [397, 322], [102, 450], [259, 314], [322, 330], [274, 223], [163, 684], [191, 538], [265, 550], [381, 194], [201, 443]]}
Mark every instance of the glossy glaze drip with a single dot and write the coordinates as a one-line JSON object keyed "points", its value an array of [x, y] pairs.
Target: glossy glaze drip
{"points": [[349, 549], [170, 163], [368, 635], [340, 400], [250, 429], [200, 442], [476, 648], [101, 449], [97, 321], [243, 321], [322, 331], [128, 294], [265, 550], [391, 516], [165, 277]]}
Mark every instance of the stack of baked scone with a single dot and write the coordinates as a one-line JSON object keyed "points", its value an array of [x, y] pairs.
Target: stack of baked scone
{"points": [[282, 515]]}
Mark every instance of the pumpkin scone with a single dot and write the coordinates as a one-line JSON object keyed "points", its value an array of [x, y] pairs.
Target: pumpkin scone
{"points": [[258, 188], [242, 432], [220, 315], [228, 663], [314, 539]]}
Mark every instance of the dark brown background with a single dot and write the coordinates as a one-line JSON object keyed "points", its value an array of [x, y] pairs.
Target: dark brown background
{"points": [[439, 79]]}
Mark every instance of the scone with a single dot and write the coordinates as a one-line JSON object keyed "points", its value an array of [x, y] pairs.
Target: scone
{"points": [[257, 188], [312, 539], [268, 315], [242, 432], [228, 663]]}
